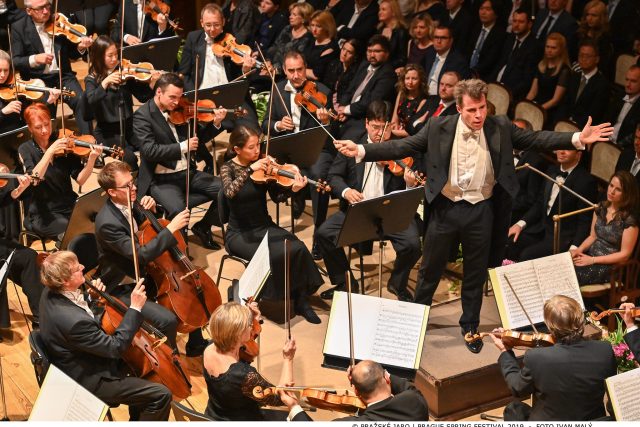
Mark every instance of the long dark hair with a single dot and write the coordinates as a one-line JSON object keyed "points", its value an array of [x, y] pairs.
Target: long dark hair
{"points": [[239, 137], [98, 69], [629, 202]]}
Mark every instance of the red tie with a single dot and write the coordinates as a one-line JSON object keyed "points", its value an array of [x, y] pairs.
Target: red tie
{"points": [[438, 110]]}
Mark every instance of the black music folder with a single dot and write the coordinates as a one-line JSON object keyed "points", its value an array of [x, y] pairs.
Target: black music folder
{"points": [[9, 143], [162, 53], [300, 148], [230, 95], [83, 216]]}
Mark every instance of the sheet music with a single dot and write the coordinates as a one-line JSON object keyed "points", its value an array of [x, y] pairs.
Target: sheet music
{"points": [[388, 331], [624, 392], [525, 283], [5, 268], [557, 276], [256, 272], [63, 399]]}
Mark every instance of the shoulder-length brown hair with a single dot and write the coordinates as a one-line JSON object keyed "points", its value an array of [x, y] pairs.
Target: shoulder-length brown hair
{"points": [[402, 90]]}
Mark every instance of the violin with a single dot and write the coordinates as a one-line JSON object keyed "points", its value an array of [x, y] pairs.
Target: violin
{"points": [[228, 46], [73, 32], [5, 176], [183, 288], [31, 89], [397, 167], [635, 311], [250, 349], [81, 145], [311, 98], [515, 339], [285, 175], [155, 7], [205, 111], [320, 398], [141, 71]]}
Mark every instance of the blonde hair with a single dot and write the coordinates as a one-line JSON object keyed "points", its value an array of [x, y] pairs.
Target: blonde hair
{"points": [[564, 55], [326, 21], [305, 10], [398, 19], [56, 269], [564, 318], [427, 21], [603, 24], [227, 323]]}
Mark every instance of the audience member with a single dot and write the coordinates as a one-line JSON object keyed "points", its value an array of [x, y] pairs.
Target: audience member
{"points": [[485, 42], [411, 100], [441, 58], [393, 27], [625, 112], [421, 32]]}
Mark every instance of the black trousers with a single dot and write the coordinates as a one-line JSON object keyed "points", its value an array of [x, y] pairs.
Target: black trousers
{"points": [[406, 244], [147, 401], [169, 190], [108, 134], [71, 83], [319, 171], [451, 223], [50, 225], [517, 411]]}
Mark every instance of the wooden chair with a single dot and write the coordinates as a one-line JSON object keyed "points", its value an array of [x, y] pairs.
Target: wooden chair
{"points": [[532, 112], [566, 126], [183, 413], [623, 62], [500, 97], [604, 156]]}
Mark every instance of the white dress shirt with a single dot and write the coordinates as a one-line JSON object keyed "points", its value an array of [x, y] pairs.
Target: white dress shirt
{"points": [[214, 72], [433, 82], [46, 40], [180, 164]]}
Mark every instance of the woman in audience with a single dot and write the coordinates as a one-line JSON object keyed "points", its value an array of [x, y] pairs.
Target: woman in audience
{"points": [[272, 21], [614, 232], [230, 378], [342, 71], [552, 76], [421, 32], [434, 8], [594, 25], [409, 111], [294, 36], [391, 25], [324, 50]]}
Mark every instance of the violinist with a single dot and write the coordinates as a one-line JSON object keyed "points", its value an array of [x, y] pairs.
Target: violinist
{"points": [[53, 199], [163, 148], [33, 56], [81, 349], [230, 380], [249, 221], [388, 397], [353, 182], [567, 379], [139, 26], [632, 335], [105, 90]]}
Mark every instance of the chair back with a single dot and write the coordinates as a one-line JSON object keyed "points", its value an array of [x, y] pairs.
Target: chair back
{"points": [[532, 112], [182, 413], [39, 358], [86, 249], [223, 212], [604, 156], [623, 62], [500, 97], [566, 126]]}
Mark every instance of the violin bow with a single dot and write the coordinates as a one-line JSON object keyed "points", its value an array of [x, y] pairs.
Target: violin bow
{"points": [[53, 32], [13, 68], [287, 287], [190, 129], [318, 122], [134, 250], [273, 79], [352, 359], [121, 41], [524, 310], [64, 133]]}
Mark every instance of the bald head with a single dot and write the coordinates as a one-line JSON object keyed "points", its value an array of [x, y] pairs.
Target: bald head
{"points": [[370, 381]]}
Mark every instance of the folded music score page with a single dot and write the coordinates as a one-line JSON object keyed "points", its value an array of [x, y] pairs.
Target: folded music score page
{"points": [[624, 393], [257, 272]]}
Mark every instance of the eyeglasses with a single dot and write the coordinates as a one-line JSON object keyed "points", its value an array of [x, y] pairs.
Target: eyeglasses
{"points": [[41, 8], [128, 185]]}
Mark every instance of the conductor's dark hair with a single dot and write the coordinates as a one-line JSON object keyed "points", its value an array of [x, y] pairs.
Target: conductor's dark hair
{"points": [[379, 110]]}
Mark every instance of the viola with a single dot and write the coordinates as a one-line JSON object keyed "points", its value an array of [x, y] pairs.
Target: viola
{"points": [[81, 145], [5, 176], [205, 111], [320, 398], [183, 288], [149, 356], [73, 32], [516, 339], [250, 349], [31, 89], [635, 311], [228, 46], [155, 7], [285, 175], [311, 98]]}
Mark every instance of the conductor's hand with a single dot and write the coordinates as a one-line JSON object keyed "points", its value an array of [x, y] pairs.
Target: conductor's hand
{"points": [[514, 231], [498, 341], [353, 196], [285, 124], [179, 221], [289, 349], [148, 203], [627, 316], [346, 147], [138, 296], [299, 183], [599, 133], [193, 143], [288, 398]]}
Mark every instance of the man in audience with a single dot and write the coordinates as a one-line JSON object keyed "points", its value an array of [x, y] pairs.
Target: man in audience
{"points": [[443, 104], [533, 233], [485, 42], [629, 159], [459, 21], [555, 19], [356, 19], [625, 112], [440, 58], [624, 16]]}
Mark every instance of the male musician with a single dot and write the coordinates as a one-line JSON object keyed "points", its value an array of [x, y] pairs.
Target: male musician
{"points": [[353, 182], [139, 27], [163, 152], [632, 334], [567, 379], [470, 186], [77, 345], [33, 56], [388, 398]]}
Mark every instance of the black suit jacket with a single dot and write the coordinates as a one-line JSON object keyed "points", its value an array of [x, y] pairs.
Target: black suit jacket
{"points": [[453, 62], [490, 52], [433, 101], [623, 25], [625, 161], [630, 121], [149, 26], [406, 404], [77, 345], [114, 245], [278, 22], [531, 184], [154, 138], [592, 100], [567, 380], [633, 341], [244, 21], [380, 87], [459, 27], [520, 65], [565, 24], [574, 229], [365, 25], [26, 42]]}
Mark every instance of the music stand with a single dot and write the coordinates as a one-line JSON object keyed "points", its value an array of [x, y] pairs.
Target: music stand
{"points": [[9, 143], [230, 95], [83, 216], [300, 148], [162, 53], [374, 218]]}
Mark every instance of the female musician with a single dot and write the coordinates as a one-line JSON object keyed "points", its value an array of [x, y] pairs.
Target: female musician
{"points": [[104, 92], [325, 48], [614, 232], [294, 36], [393, 27], [10, 117], [53, 199], [411, 100], [249, 221], [230, 380]]}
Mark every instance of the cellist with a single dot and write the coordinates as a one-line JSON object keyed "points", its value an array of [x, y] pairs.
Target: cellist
{"points": [[81, 349], [115, 251]]}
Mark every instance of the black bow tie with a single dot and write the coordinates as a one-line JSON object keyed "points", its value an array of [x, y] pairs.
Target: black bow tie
{"points": [[562, 174]]}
